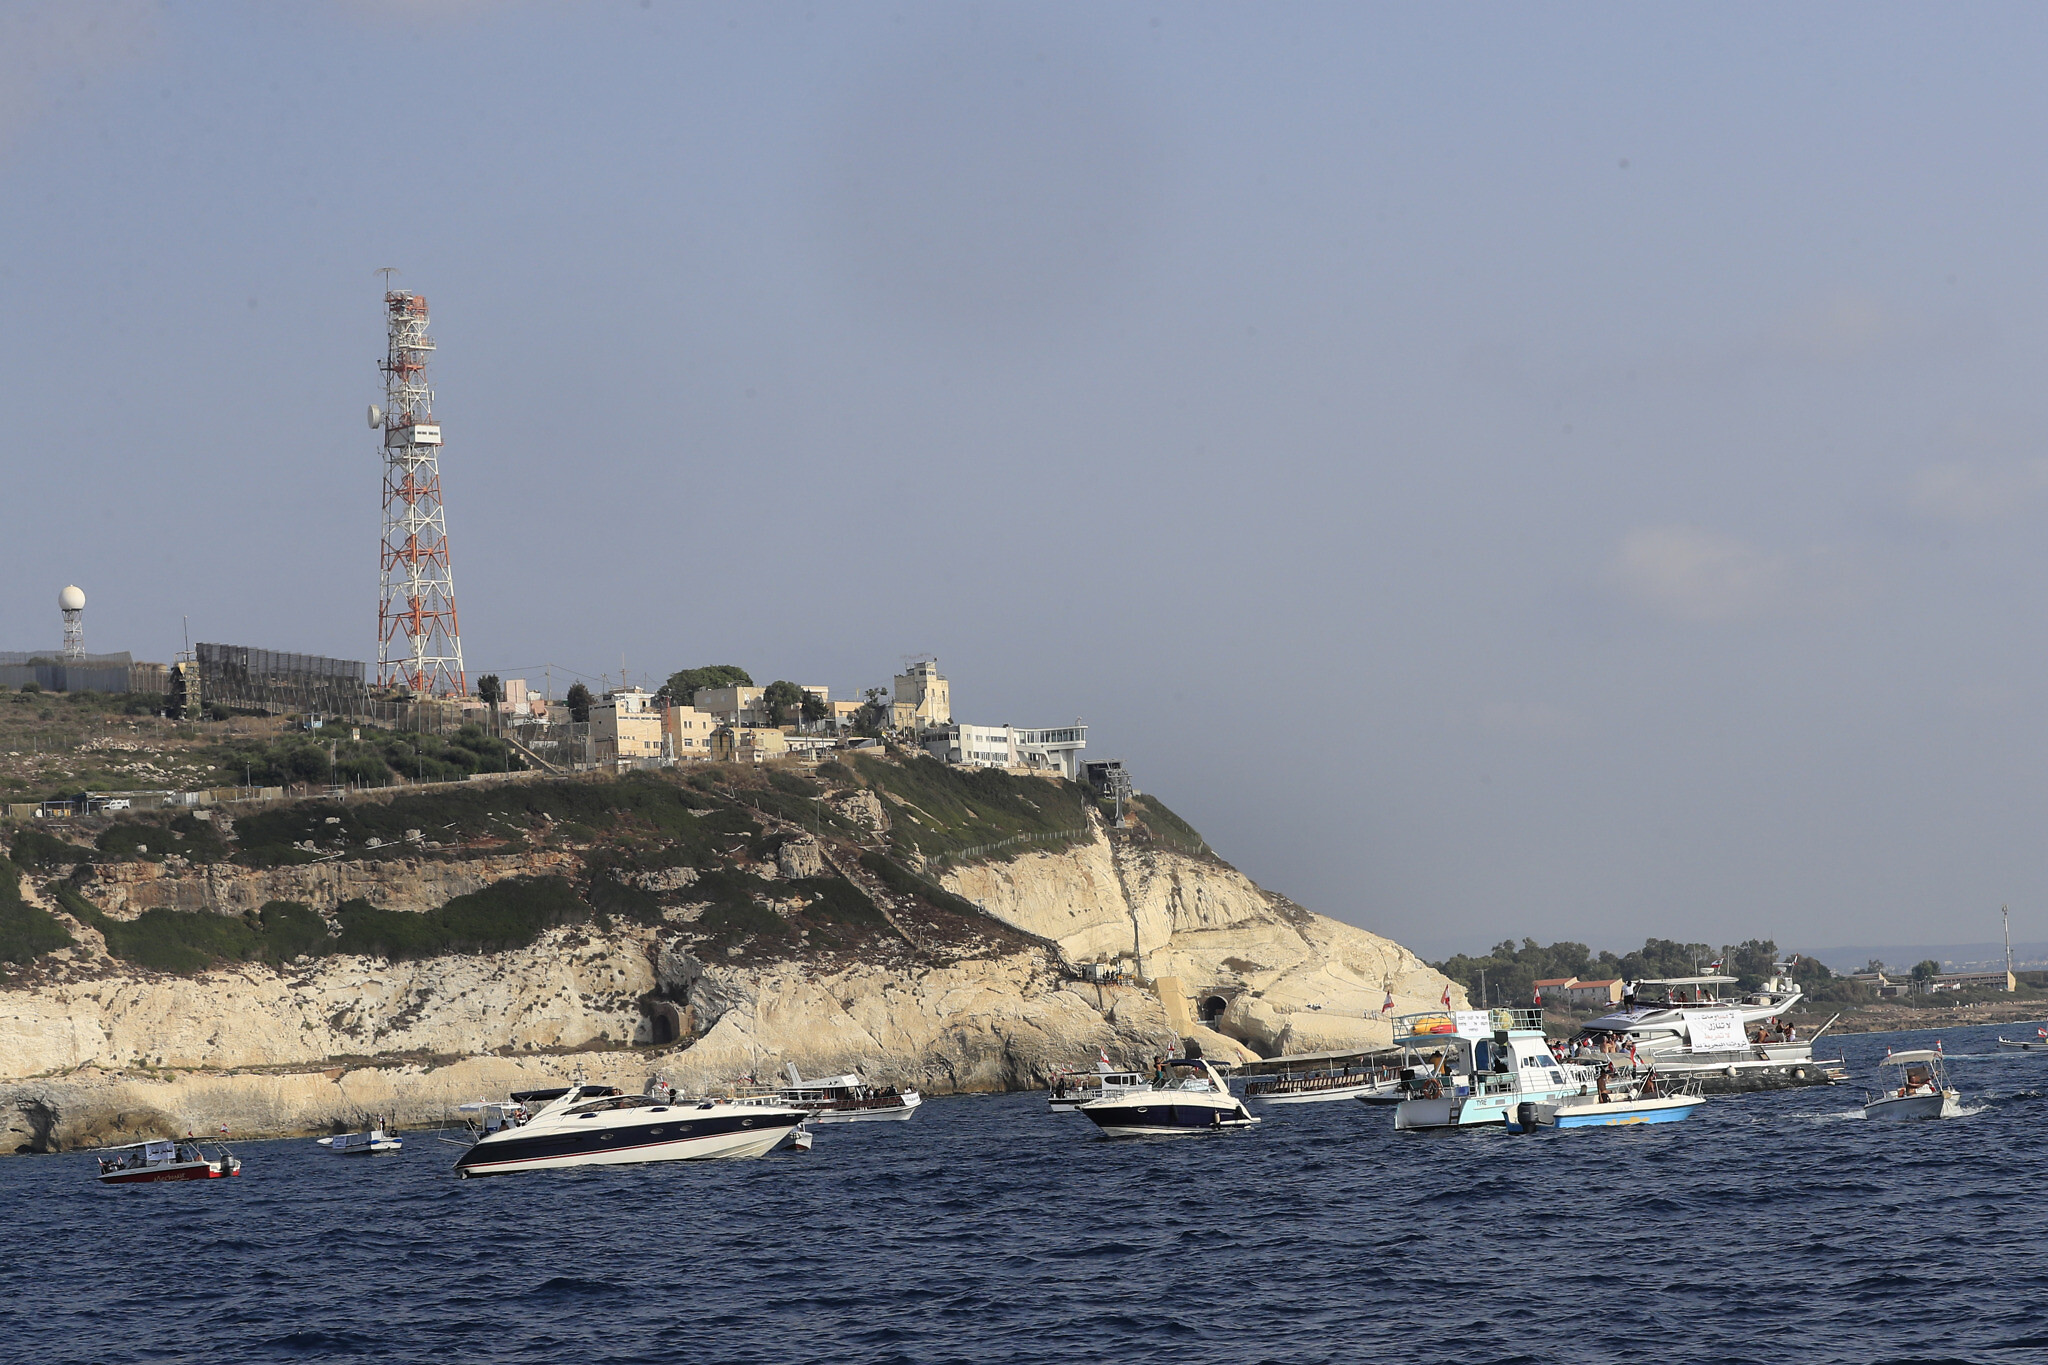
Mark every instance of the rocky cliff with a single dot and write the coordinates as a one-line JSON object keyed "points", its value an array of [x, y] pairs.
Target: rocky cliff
{"points": [[295, 968]]}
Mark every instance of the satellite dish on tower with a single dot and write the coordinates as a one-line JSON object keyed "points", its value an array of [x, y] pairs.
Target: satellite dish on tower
{"points": [[376, 416]]}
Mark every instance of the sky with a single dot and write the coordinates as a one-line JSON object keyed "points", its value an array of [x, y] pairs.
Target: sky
{"points": [[1567, 471]]}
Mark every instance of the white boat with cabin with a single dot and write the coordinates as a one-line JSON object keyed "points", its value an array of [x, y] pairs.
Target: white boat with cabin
{"points": [[1487, 1062], [1370, 1081], [1922, 1090]]}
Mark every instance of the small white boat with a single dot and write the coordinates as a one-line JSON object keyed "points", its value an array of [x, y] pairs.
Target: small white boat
{"points": [[846, 1099], [2038, 1043], [1188, 1096], [376, 1142], [146, 1163], [1922, 1091]]}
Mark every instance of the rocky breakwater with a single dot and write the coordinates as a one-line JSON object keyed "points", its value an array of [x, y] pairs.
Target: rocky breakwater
{"points": [[702, 926]]}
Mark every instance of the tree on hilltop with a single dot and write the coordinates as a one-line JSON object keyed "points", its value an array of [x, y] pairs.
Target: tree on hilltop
{"points": [[682, 687], [783, 700], [579, 702]]}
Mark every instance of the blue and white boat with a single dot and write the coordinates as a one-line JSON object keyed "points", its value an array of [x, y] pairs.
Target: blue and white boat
{"points": [[1486, 1063], [1645, 1101], [1190, 1096]]}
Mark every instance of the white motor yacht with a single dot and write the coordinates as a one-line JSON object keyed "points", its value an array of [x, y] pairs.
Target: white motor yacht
{"points": [[1922, 1090], [596, 1125], [1188, 1096], [1682, 1027], [1488, 1062], [846, 1099]]}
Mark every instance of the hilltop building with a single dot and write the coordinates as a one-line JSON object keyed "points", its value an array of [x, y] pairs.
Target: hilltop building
{"points": [[1006, 746], [688, 731], [625, 728]]}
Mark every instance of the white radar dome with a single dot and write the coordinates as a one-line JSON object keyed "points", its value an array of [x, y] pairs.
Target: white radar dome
{"points": [[71, 599]]}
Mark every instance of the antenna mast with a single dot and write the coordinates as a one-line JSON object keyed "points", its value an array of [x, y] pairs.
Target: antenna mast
{"points": [[2005, 913], [419, 647]]}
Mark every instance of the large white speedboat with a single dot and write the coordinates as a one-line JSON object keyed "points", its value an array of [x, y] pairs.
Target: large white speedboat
{"points": [[1919, 1089], [596, 1125], [846, 1099], [1683, 1028], [1187, 1096], [1487, 1062]]}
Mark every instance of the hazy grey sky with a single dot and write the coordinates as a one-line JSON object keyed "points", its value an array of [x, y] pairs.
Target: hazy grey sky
{"points": [[1566, 470]]}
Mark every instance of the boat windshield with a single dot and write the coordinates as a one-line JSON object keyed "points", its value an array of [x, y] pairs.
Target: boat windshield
{"points": [[617, 1102]]}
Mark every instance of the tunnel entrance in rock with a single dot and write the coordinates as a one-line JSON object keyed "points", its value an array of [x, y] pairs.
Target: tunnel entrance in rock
{"points": [[664, 1023], [1212, 1007]]}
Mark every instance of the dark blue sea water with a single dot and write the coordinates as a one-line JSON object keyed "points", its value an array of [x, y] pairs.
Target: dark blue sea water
{"points": [[1768, 1228]]}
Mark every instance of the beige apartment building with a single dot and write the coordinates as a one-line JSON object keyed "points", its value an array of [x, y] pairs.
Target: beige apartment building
{"points": [[688, 731], [744, 705], [625, 727]]}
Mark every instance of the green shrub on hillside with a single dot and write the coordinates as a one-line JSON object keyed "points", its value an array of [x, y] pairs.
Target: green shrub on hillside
{"points": [[186, 835], [506, 915], [26, 933], [835, 900], [35, 849], [961, 812], [377, 759], [182, 941], [1168, 829]]}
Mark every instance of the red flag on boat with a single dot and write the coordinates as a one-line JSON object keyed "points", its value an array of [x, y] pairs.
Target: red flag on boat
{"points": [[1539, 997], [1447, 1001], [1389, 1003]]}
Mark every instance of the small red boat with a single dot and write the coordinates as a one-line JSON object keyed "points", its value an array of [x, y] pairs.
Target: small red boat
{"points": [[144, 1162]]}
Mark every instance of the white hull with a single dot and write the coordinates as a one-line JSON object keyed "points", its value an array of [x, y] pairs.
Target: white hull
{"points": [[893, 1114], [2024, 1045], [740, 1145], [1942, 1105]]}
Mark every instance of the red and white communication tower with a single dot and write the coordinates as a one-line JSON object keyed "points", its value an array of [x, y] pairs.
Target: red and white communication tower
{"points": [[418, 645]]}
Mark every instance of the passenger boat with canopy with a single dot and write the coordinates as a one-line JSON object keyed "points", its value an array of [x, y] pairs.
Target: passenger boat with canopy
{"points": [[1359, 1077], [1916, 1087], [846, 1099], [1486, 1063], [1186, 1095], [146, 1163], [597, 1125]]}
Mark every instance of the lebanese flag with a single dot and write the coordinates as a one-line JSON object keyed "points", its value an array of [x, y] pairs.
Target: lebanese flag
{"points": [[1539, 997], [1447, 997], [1389, 1003]]}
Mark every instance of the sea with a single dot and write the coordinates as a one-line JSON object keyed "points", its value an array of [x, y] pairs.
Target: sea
{"points": [[1775, 1227]]}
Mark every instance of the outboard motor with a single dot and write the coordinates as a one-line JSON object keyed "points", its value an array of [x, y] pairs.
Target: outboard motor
{"points": [[1525, 1116]]}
